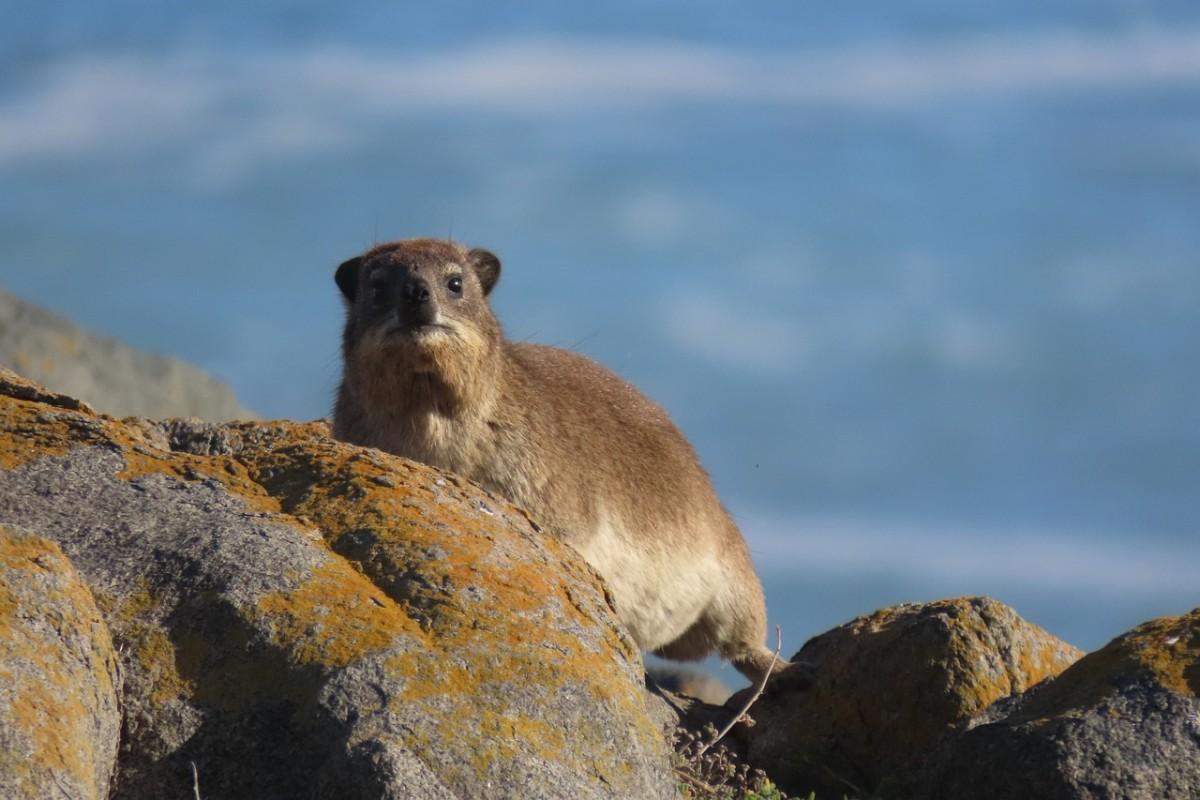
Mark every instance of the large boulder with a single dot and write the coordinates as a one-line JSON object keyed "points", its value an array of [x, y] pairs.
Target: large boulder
{"points": [[59, 680], [887, 686], [110, 375], [302, 618], [1123, 723]]}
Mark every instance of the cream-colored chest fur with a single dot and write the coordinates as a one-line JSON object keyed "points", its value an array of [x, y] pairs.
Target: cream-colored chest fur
{"points": [[467, 446], [659, 590], [431, 439]]}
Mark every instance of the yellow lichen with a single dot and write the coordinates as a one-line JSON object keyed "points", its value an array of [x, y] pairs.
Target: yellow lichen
{"points": [[24, 437], [1167, 648], [340, 494], [132, 619], [228, 471], [52, 713], [337, 616], [30, 430], [334, 618]]}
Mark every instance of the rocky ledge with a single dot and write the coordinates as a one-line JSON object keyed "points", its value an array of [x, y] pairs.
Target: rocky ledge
{"points": [[297, 618], [256, 610]]}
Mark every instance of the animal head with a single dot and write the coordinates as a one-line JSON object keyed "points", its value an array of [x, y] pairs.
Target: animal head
{"points": [[416, 298]]}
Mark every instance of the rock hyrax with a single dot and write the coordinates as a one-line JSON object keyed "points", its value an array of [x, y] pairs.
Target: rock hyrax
{"points": [[428, 375]]}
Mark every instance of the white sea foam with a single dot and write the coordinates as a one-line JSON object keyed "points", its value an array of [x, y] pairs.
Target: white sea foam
{"points": [[974, 555], [276, 103]]}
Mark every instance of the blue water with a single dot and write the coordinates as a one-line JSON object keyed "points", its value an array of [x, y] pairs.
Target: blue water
{"points": [[922, 285]]}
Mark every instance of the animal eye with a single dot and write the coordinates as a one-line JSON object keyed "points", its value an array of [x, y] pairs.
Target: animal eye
{"points": [[455, 284]]}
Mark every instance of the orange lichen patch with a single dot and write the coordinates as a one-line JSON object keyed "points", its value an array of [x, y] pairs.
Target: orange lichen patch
{"points": [[155, 654], [132, 618], [334, 617], [466, 688], [54, 723], [504, 737], [464, 669], [57, 666], [25, 434], [32, 429], [420, 537], [318, 482], [31, 554], [333, 486], [1033, 655], [983, 667], [16, 549], [456, 579], [1167, 650], [890, 683], [218, 651], [499, 648], [343, 492], [228, 471]]}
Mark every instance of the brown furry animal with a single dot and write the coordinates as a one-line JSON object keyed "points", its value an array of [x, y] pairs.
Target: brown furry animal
{"points": [[429, 376]]}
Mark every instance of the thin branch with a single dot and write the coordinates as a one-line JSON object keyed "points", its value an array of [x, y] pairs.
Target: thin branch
{"points": [[195, 780], [697, 783], [762, 684]]}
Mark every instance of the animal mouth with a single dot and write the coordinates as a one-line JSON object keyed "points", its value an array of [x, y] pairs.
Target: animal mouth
{"points": [[415, 330]]}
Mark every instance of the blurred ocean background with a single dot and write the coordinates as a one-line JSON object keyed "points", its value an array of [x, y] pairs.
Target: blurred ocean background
{"points": [[920, 280]]}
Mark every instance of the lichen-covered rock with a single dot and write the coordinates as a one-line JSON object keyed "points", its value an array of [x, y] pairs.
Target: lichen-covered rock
{"points": [[888, 685], [59, 682], [303, 618], [1122, 723]]}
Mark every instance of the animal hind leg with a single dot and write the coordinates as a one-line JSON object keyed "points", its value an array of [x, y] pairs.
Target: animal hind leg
{"points": [[749, 655], [694, 644], [738, 621]]}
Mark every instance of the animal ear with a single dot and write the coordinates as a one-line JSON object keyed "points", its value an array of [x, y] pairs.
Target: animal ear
{"points": [[347, 277], [487, 267]]}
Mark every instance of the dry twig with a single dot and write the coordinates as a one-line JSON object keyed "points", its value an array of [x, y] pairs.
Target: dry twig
{"points": [[762, 684]]}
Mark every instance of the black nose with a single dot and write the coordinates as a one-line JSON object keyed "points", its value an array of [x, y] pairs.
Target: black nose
{"points": [[416, 290]]}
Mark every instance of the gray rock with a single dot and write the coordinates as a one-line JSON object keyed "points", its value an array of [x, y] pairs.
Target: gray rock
{"points": [[59, 679], [297, 628], [887, 686], [1123, 723], [111, 376]]}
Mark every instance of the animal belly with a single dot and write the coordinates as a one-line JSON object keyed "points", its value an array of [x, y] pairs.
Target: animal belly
{"points": [[659, 592]]}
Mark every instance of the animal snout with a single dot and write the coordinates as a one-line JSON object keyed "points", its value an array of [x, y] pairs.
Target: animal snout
{"points": [[416, 290]]}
